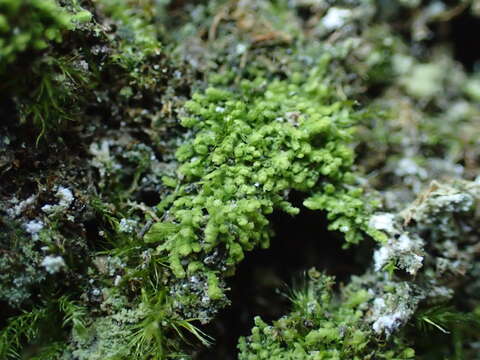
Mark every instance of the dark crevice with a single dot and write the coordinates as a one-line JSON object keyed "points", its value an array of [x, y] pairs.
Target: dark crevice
{"points": [[92, 229], [466, 44], [304, 13], [264, 277], [150, 197]]}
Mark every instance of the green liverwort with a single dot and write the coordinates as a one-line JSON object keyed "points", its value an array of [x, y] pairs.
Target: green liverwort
{"points": [[248, 150]]}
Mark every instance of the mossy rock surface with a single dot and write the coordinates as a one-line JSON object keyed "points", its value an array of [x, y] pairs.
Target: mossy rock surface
{"points": [[239, 179]]}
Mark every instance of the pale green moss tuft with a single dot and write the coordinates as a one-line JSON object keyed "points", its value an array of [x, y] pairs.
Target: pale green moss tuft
{"points": [[321, 326], [30, 25], [249, 149]]}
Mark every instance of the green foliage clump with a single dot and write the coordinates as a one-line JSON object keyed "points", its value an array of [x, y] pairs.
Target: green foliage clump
{"points": [[250, 148], [52, 102], [29, 328], [20, 328], [31, 25], [277, 118], [46, 93], [443, 318], [105, 58], [136, 31], [321, 326], [148, 330]]}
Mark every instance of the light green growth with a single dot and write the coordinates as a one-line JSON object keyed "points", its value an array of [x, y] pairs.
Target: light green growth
{"points": [[425, 80], [281, 87], [250, 149], [320, 326], [214, 291], [472, 88], [136, 31], [347, 211], [31, 25]]}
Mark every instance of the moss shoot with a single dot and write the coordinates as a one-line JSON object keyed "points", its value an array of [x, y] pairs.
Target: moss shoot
{"points": [[150, 148]]}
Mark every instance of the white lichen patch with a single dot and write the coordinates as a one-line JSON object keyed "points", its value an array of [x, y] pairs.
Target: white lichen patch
{"points": [[102, 157], [405, 251], [381, 257], [127, 226], [390, 311], [101, 152], [408, 167], [33, 227], [335, 18], [404, 243], [53, 264], [383, 222], [20, 207], [460, 202], [65, 197], [388, 323]]}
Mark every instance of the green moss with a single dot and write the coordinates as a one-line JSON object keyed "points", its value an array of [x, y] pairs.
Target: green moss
{"points": [[49, 86], [146, 330], [52, 103], [279, 94], [30, 25], [86, 67], [388, 316], [136, 29], [347, 212], [250, 148], [321, 326], [18, 329], [214, 290]]}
